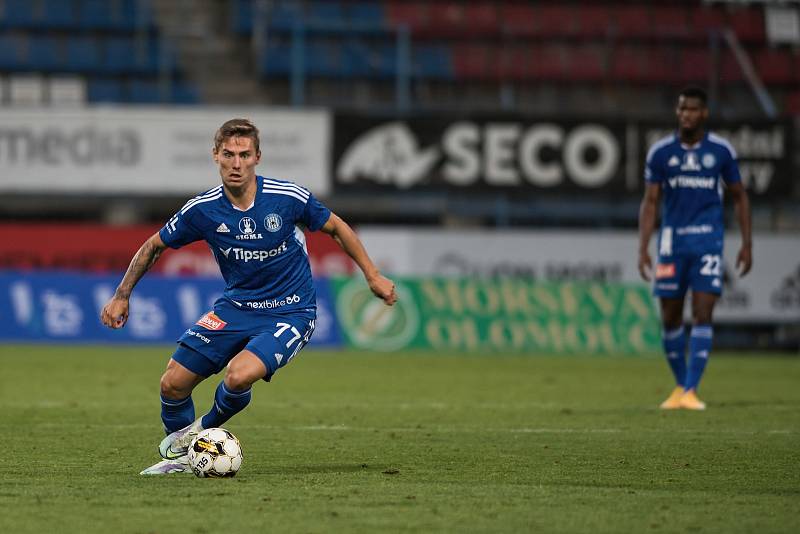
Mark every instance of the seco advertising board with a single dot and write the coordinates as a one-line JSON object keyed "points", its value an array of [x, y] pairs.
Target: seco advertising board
{"points": [[530, 155]]}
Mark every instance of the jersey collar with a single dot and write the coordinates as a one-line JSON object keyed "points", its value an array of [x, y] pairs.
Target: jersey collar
{"points": [[694, 146]]}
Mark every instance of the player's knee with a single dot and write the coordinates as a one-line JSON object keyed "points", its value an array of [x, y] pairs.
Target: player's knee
{"points": [[172, 389], [237, 378]]}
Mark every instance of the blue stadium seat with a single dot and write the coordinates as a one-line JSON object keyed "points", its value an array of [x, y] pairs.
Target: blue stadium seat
{"points": [[367, 14], [120, 55], [12, 49], [44, 54], [131, 14], [18, 14], [327, 12], [58, 14], [322, 59], [123, 55], [432, 61], [97, 15], [83, 55], [277, 60], [243, 16], [355, 59], [285, 15], [144, 92], [383, 61], [105, 90], [185, 93]]}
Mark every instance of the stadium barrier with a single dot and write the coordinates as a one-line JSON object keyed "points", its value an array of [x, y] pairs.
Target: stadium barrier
{"points": [[769, 294], [97, 248], [495, 316], [65, 307], [473, 315]]}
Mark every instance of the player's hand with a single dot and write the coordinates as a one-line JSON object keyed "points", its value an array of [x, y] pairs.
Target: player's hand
{"points": [[115, 313], [744, 260], [645, 265], [383, 288]]}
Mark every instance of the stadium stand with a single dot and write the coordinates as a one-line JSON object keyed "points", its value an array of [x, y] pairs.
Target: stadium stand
{"points": [[113, 47], [617, 43]]}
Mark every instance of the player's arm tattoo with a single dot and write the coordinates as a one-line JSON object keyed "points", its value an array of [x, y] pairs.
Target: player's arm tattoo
{"points": [[144, 258]]}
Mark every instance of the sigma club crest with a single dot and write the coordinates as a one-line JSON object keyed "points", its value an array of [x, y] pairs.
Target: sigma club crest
{"points": [[273, 222]]}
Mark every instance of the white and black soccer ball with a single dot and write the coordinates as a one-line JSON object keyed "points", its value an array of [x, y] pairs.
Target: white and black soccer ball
{"points": [[215, 453]]}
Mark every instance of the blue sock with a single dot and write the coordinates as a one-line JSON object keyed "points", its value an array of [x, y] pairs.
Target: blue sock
{"points": [[674, 342], [176, 414], [699, 348], [226, 404]]}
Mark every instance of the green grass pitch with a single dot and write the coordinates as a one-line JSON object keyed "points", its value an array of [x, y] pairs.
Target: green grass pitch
{"points": [[407, 442]]}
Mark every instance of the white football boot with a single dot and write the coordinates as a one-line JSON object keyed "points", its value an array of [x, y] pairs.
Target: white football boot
{"points": [[168, 467], [176, 444]]}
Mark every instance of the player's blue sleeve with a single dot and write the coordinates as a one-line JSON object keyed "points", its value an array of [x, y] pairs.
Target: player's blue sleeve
{"points": [[653, 168], [729, 170], [180, 231], [315, 214]]}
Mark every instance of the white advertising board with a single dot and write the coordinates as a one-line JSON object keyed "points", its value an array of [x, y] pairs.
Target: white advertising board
{"points": [[151, 150], [769, 293]]}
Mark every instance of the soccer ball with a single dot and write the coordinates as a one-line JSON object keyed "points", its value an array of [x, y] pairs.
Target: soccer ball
{"points": [[215, 452]]}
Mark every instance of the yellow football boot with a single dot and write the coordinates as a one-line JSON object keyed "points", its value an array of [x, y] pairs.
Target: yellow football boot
{"points": [[673, 402], [689, 401]]}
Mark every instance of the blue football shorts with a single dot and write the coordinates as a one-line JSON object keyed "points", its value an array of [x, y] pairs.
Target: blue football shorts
{"points": [[224, 332], [699, 272]]}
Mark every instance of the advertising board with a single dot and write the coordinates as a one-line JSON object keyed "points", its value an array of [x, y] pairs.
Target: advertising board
{"points": [[522, 154], [496, 316], [769, 293], [150, 150]]}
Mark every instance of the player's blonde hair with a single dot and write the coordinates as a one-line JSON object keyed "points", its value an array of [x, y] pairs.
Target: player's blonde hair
{"points": [[236, 128]]}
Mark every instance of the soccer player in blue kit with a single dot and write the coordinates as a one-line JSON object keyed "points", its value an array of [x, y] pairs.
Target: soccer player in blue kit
{"points": [[689, 169], [266, 315]]}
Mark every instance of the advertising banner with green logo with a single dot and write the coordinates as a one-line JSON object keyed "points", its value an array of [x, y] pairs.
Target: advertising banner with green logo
{"points": [[500, 315]]}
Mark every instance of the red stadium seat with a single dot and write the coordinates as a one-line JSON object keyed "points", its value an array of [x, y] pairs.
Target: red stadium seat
{"points": [[446, 18], [414, 15], [547, 63], [514, 63], [594, 21], [669, 21], [628, 64], [662, 65], [792, 105], [729, 68], [775, 66], [556, 20], [472, 61], [481, 18], [633, 21], [585, 63], [704, 19], [695, 65], [518, 19], [748, 23], [796, 68]]}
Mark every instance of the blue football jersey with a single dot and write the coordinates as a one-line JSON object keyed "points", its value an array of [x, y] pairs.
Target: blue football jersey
{"points": [[261, 251], [691, 179]]}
